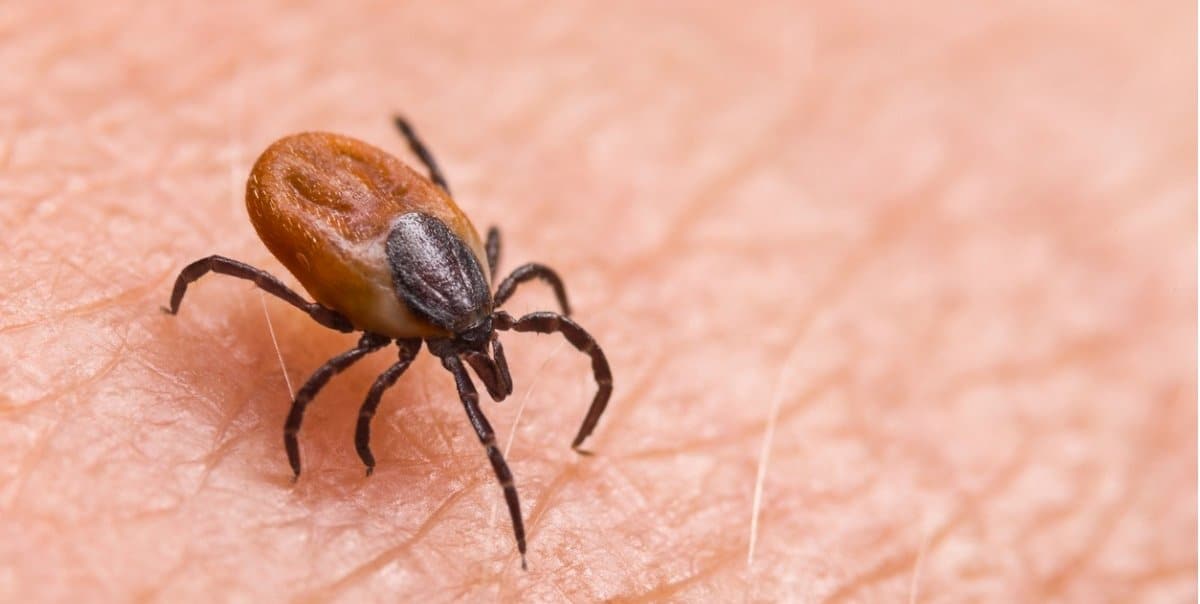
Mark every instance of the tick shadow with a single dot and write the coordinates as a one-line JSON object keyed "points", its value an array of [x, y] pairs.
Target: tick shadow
{"points": [[232, 373]]}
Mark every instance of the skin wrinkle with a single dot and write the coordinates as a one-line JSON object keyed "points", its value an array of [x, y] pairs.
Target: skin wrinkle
{"points": [[1110, 515], [544, 503], [815, 390], [899, 564], [886, 230], [74, 388], [640, 502], [213, 460], [1096, 166], [127, 296], [426, 455], [389, 555], [25, 467], [708, 195], [531, 116], [1058, 581], [1073, 353], [666, 591], [915, 591]]}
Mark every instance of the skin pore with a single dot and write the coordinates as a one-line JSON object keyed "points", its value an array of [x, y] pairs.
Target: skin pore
{"points": [[943, 256]]}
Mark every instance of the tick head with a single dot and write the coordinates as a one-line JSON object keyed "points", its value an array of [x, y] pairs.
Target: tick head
{"points": [[477, 336]]}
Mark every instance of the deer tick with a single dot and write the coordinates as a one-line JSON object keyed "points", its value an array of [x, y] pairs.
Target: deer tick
{"points": [[386, 252]]}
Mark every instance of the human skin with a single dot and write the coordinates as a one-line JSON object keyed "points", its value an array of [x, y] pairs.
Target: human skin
{"points": [[944, 257]]}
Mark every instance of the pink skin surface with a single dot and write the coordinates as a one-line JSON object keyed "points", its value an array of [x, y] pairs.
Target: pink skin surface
{"points": [[944, 256]]}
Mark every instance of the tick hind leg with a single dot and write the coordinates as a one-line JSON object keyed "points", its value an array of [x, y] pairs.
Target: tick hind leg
{"points": [[264, 280], [362, 434], [548, 322], [369, 342], [422, 152], [528, 272], [470, 400]]}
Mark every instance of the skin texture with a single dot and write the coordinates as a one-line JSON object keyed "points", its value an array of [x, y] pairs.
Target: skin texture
{"points": [[949, 250]]}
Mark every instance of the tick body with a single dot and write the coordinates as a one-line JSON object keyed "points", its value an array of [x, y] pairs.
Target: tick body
{"points": [[385, 251]]}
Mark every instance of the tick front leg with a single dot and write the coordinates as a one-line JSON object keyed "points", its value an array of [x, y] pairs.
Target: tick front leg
{"points": [[527, 272], [362, 434], [419, 148], [470, 400], [368, 343], [548, 322], [264, 280]]}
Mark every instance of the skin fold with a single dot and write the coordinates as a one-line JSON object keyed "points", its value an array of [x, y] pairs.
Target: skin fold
{"points": [[945, 257]]}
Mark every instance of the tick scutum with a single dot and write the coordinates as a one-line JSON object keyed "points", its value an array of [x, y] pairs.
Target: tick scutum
{"points": [[435, 273]]}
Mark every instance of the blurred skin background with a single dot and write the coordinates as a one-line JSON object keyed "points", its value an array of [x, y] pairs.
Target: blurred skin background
{"points": [[920, 275]]}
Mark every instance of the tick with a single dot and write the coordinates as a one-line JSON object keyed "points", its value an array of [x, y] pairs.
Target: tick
{"points": [[386, 252]]}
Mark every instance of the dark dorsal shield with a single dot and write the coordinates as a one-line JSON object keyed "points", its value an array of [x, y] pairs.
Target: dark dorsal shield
{"points": [[436, 274]]}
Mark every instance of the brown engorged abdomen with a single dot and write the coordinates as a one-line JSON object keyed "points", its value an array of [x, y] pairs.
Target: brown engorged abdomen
{"points": [[324, 204]]}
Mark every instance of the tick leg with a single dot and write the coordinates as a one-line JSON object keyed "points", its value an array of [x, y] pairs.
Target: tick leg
{"points": [[527, 272], [368, 343], [418, 147], [493, 250], [362, 434], [264, 280], [548, 322], [470, 400]]}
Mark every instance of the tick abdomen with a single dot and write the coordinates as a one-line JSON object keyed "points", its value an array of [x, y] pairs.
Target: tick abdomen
{"points": [[324, 204]]}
